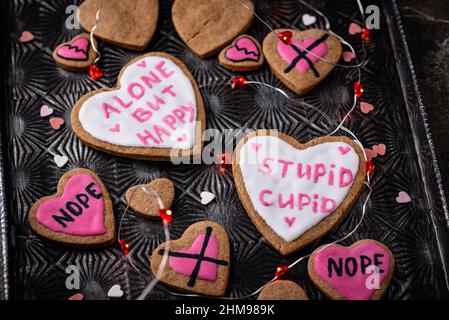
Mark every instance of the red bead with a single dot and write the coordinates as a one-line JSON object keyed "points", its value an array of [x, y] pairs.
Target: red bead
{"points": [[125, 246], [358, 89], [286, 37], [95, 72], [238, 81], [166, 215], [366, 34], [369, 166], [280, 271]]}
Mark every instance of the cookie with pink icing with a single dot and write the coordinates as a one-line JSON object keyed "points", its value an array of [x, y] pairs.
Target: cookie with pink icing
{"points": [[361, 271], [244, 54], [155, 112], [76, 54], [295, 193], [304, 62], [80, 213], [198, 262]]}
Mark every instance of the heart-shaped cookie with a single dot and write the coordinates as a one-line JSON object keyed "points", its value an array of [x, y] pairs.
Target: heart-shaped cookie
{"points": [[299, 65], [129, 24], [282, 290], [208, 26], [80, 213], [75, 55], [295, 193], [198, 262], [360, 272], [143, 201], [156, 112], [244, 54]]}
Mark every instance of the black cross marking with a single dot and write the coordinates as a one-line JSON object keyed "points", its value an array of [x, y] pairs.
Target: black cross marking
{"points": [[303, 55], [198, 257]]}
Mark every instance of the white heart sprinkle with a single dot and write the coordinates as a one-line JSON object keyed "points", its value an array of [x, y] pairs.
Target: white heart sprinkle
{"points": [[308, 19], [206, 197], [115, 291], [61, 161]]}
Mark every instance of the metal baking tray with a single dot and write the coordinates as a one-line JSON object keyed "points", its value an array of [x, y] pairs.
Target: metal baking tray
{"points": [[34, 268]]}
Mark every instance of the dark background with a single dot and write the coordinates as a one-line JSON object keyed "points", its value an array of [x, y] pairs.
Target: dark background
{"points": [[427, 28]]}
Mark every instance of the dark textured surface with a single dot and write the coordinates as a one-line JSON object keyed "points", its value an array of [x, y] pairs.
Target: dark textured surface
{"points": [[415, 232]]}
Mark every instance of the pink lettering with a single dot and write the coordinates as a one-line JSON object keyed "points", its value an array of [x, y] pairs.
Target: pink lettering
{"points": [[149, 81], [189, 108], [160, 132], [136, 94], [346, 177], [267, 171], [262, 199], [306, 174], [169, 120], [289, 202], [180, 115], [319, 171], [142, 115], [108, 109], [303, 200], [328, 205], [169, 91], [163, 70], [147, 136], [121, 103], [285, 166], [157, 105]]}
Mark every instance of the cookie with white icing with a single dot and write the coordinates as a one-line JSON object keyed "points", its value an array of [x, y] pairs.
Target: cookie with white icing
{"points": [[156, 112], [296, 193]]}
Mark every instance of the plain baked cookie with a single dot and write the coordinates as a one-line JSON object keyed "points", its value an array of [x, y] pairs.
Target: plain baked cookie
{"points": [[296, 193], [80, 213], [76, 54], [129, 24], [282, 290], [299, 70], [244, 54], [360, 272], [206, 26], [156, 112], [198, 262]]}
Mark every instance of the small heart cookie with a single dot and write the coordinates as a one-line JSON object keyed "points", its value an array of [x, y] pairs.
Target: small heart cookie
{"points": [[244, 54], [360, 272], [300, 69], [208, 26], [80, 213], [129, 24], [198, 262], [282, 290], [76, 54], [143, 201], [296, 193], [156, 100]]}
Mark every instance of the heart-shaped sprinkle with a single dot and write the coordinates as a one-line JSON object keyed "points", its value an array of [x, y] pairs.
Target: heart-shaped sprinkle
{"points": [[206, 197], [348, 56], [370, 154], [289, 221], [359, 272], [26, 36], [366, 107], [308, 19], [380, 149], [256, 146], [115, 291], [56, 123], [77, 297], [116, 128], [354, 29], [61, 161], [403, 197], [46, 111], [344, 150]]}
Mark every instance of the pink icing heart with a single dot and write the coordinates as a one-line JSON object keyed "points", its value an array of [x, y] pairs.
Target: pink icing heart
{"points": [[370, 154], [256, 146], [366, 107], [244, 49], [26, 36], [348, 56], [344, 150], [290, 221], [116, 128], [345, 269], [380, 149], [354, 29], [185, 266], [46, 111], [56, 123], [76, 50], [403, 197], [289, 54], [79, 211]]}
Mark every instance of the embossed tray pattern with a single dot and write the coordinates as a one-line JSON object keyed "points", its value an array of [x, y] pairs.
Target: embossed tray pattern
{"points": [[416, 232]]}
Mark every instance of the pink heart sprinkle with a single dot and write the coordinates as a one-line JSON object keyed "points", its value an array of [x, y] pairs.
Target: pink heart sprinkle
{"points": [[182, 138], [290, 221], [403, 197], [77, 297], [142, 64], [56, 123], [116, 128], [348, 56], [366, 107], [256, 146], [370, 154], [354, 29], [344, 150], [26, 36], [46, 111], [380, 149]]}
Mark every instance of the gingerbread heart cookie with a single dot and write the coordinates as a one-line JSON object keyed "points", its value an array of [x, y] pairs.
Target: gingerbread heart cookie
{"points": [[76, 54], [207, 26], [360, 272], [244, 54], [282, 290], [143, 200], [129, 24], [306, 61], [198, 262], [295, 193], [156, 112], [80, 213]]}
